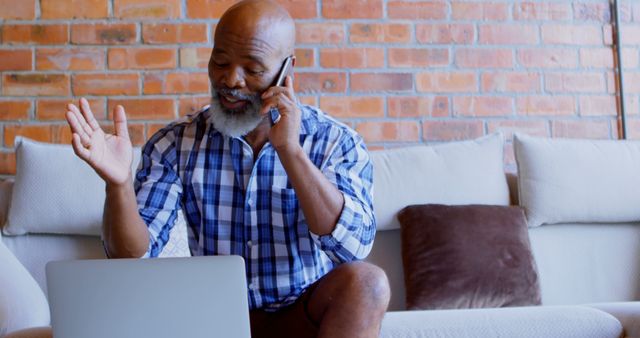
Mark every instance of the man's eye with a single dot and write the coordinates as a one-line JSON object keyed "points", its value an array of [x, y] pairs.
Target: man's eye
{"points": [[255, 72], [220, 64]]}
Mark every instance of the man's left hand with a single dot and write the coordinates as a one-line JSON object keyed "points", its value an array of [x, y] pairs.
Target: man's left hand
{"points": [[284, 135]]}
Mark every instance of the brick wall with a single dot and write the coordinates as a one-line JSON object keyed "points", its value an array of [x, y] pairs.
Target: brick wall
{"points": [[399, 72]]}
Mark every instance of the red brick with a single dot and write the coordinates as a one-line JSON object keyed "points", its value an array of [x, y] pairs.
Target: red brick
{"points": [[510, 82], [35, 34], [104, 34], [571, 34], [195, 57], [352, 9], [542, 11], [176, 83], [304, 57], [372, 82], [70, 59], [451, 130], [309, 83], [604, 58], [74, 9], [510, 127], [546, 105], [55, 109], [15, 59], [548, 58], [164, 33], [142, 58], [153, 128], [630, 35], [433, 10], [300, 9], [445, 33], [325, 32], [447, 82], [348, 107], [633, 129], [632, 82], [147, 9], [192, 104], [18, 9], [410, 58], [581, 129], [388, 33], [145, 109], [600, 12], [598, 105], [415, 106], [484, 58], [575, 83], [14, 110], [308, 100], [404, 131], [35, 85], [7, 163], [105, 84], [482, 106], [509, 34], [40, 133], [481, 11], [208, 9], [352, 57]]}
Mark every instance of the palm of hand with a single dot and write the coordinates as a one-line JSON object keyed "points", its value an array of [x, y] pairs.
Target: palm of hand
{"points": [[111, 156]]}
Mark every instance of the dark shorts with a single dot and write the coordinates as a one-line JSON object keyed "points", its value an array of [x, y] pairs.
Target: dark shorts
{"points": [[291, 321]]}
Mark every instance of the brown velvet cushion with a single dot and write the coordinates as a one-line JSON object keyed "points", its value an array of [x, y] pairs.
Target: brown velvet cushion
{"points": [[467, 256]]}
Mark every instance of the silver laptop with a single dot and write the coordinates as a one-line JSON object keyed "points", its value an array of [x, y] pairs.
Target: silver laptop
{"points": [[156, 298]]}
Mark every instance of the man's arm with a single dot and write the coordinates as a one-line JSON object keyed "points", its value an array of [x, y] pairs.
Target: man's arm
{"points": [[110, 156]]}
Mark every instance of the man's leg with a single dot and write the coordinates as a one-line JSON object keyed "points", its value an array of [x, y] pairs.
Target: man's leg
{"points": [[350, 301], [39, 332]]}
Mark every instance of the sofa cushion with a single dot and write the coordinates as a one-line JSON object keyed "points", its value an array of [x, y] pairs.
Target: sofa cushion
{"points": [[578, 181], [466, 172], [22, 303], [467, 256], [55, 191]]}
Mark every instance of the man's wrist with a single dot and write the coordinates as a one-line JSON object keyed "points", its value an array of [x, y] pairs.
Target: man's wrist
{"points": [[290, 151]]}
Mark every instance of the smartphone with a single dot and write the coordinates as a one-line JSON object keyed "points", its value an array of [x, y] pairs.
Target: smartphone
{"points": [[274, 114]]}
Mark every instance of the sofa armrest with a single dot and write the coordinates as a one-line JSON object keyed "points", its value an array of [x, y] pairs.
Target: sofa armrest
{"points": [[522, 322], [628, 313]]}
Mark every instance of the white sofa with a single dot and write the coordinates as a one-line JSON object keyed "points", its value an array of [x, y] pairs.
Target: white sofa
{"points": [[588, 262]]}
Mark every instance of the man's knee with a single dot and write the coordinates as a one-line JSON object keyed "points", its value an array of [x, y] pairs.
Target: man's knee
{"points": [[367, 282]]}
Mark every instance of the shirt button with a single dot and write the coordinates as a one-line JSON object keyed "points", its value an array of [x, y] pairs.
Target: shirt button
{"points": [[250, 202], [249, 244], [252, 286]]}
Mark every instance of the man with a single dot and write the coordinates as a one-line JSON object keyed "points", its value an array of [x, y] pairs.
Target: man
{"points": [[294, 199]]}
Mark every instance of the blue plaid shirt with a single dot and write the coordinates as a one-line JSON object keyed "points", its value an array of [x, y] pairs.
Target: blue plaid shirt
{"points": [[234, 205]]}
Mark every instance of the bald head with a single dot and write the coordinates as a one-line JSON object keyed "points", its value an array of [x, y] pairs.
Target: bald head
{"points": [[263, 22]]}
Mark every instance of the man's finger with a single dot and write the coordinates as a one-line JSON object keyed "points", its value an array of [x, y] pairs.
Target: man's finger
{"points": [[88, 114], [120, 122], [81, 119], [79, 149], [75, 125]]}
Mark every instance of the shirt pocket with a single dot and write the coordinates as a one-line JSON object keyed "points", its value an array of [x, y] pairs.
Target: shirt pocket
{"points": [[284, 208]]}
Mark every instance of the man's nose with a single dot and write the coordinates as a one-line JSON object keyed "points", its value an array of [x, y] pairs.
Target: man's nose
{"points": [[234, 78]]}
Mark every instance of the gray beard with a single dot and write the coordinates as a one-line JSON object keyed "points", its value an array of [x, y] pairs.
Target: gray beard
{"points": [[234, 122]]}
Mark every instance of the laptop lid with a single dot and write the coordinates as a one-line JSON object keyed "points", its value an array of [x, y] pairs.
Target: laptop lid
{"points": [[159, 298]]}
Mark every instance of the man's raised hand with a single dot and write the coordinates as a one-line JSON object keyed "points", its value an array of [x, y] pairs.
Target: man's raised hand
{"points": [[109, 155]]}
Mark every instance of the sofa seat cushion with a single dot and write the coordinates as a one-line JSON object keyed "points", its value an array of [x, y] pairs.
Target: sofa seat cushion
{"points": [[521, 322], [22, 302], [467, 256], [578, 181], [628, 313], [587, 263]]}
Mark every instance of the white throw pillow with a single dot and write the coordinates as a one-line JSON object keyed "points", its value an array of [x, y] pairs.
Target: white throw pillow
{"points": [[455, 173], [55, 191], [578, 181], [22, 302]]}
